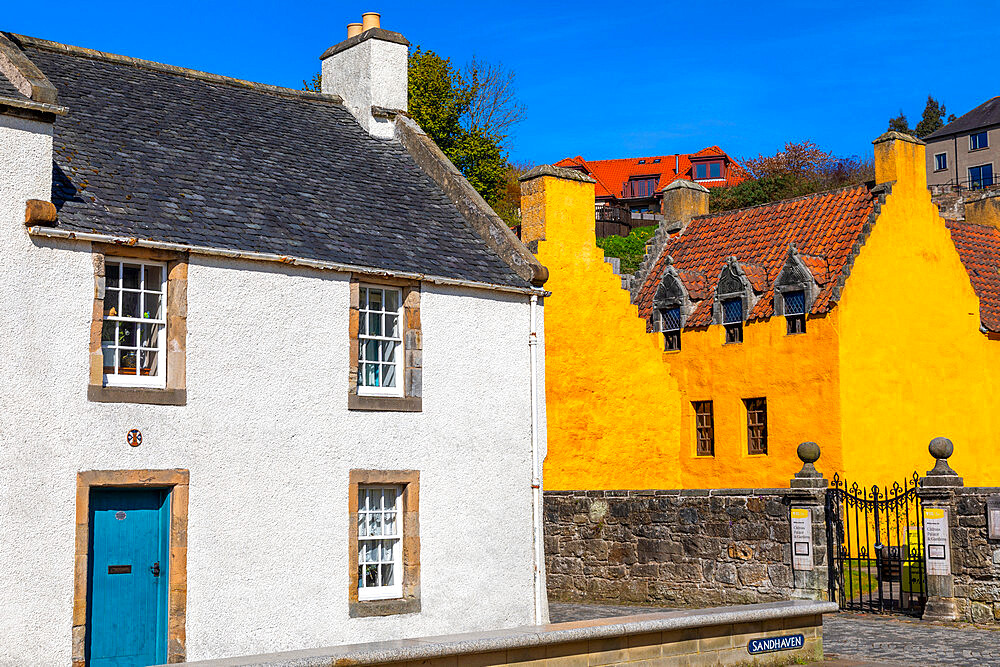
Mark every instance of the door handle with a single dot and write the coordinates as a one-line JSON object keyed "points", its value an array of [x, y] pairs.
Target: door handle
{"points": [[155, 569]]}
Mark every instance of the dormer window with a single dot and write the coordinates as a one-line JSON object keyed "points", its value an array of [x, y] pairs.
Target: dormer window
{"points": [[671, 329], [642, 186], [732, 319], [795, 312], [707, 170]]}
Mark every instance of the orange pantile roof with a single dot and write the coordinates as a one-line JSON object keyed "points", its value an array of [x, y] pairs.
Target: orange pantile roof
{"points": [[611, 175], [827, 229], [979, 248]]}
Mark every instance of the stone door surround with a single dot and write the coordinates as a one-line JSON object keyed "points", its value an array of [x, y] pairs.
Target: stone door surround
{"points": [[177, 481]]}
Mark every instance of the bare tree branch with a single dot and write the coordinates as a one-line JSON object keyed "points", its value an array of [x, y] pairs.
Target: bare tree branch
{"points": [[495, 108]]}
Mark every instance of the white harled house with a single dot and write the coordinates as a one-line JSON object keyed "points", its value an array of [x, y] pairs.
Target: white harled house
{"points": [[271, 370]]}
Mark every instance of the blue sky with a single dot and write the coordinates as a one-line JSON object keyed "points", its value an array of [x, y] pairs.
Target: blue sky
{"points": [[599, 79]]}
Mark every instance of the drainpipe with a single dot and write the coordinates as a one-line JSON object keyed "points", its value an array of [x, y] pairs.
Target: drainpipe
{"points": [[536, 482]]}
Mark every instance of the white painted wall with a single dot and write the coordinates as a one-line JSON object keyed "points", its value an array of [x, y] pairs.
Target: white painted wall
{"points": [[371, 73], [268, 440]]}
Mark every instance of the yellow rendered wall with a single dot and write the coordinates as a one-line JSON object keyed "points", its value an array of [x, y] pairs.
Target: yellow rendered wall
{"points": [[612, 405], [914, 364], [796, 374]]}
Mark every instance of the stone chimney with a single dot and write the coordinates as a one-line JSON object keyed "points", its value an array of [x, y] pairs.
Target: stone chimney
{"points": [[900, 158], [368, 70], [683, 200], [560, 200]]}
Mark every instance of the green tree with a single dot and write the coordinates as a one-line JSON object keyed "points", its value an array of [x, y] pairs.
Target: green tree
{"points": [[315, 84], [440, 101], [933, 118], [900, 124], [798, 169]]}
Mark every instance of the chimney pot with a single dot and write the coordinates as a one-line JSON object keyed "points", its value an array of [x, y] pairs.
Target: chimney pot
{"points": [[353, 29], [369, 20]]}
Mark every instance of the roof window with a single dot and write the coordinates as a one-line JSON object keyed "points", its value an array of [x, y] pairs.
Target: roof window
{"points": [[656, 161], [643, 161]]}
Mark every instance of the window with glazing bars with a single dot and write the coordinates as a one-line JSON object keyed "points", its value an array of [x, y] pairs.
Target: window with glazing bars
{"points": [[672, 328], [732, 318], [704, 427], [134, 331], [795, 312], [756, 425], [380, 341], [380, 542]]}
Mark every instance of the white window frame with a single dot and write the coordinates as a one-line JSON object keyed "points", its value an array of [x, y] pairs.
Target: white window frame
{"points": [[986, 136], [363, 336], [158, 381], [938, 166], [396, 589]]}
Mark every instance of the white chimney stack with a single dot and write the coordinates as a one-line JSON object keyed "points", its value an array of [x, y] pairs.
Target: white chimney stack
{"points": [[368, 70]]}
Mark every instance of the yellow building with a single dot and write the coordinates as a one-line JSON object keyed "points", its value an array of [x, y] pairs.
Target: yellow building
{"points": [[845, 317]]}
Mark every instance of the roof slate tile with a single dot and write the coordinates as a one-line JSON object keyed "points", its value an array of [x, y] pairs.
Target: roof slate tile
{"points": [[165, 157]]}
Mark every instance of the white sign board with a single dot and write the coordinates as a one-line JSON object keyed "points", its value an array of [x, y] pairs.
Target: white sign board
{"points": [[802, 539], [937, 542]]}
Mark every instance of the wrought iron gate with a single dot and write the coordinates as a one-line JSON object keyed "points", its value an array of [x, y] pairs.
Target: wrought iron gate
{"points": [[876, 541]]}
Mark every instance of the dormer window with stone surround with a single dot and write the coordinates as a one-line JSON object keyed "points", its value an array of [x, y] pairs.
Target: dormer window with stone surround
{"points": [[794, 291], [673, 304], [732, 319], [795, 312], [672, 329], [735, 297]]}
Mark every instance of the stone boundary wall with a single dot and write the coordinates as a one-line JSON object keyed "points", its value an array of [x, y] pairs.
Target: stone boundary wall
{"points": [[975, 557], [686, 548], [719, 636]]}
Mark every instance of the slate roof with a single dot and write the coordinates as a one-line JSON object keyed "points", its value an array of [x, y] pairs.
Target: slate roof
{"points": [[611, 175], [167, 157], [979, 248], [825, 228], [7, 89], [985, 115]]}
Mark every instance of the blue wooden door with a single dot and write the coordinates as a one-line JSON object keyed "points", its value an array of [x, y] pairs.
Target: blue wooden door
{"points": [[127, 582]]}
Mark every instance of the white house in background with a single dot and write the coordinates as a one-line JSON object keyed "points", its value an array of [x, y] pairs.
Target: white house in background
{"points": [[271, 370]]}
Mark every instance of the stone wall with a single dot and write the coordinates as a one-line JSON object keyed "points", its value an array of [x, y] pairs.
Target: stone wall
{"points": [[975, 558], [673, 548]]}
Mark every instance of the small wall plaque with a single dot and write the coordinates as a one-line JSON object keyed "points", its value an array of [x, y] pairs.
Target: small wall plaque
{"points": [[134, 438], [993, 516]]}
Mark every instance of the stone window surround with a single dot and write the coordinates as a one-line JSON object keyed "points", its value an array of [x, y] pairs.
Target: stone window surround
{"points": [[411, 401], [409, 603], [745, 294], [177, 481], [175, 392]]}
